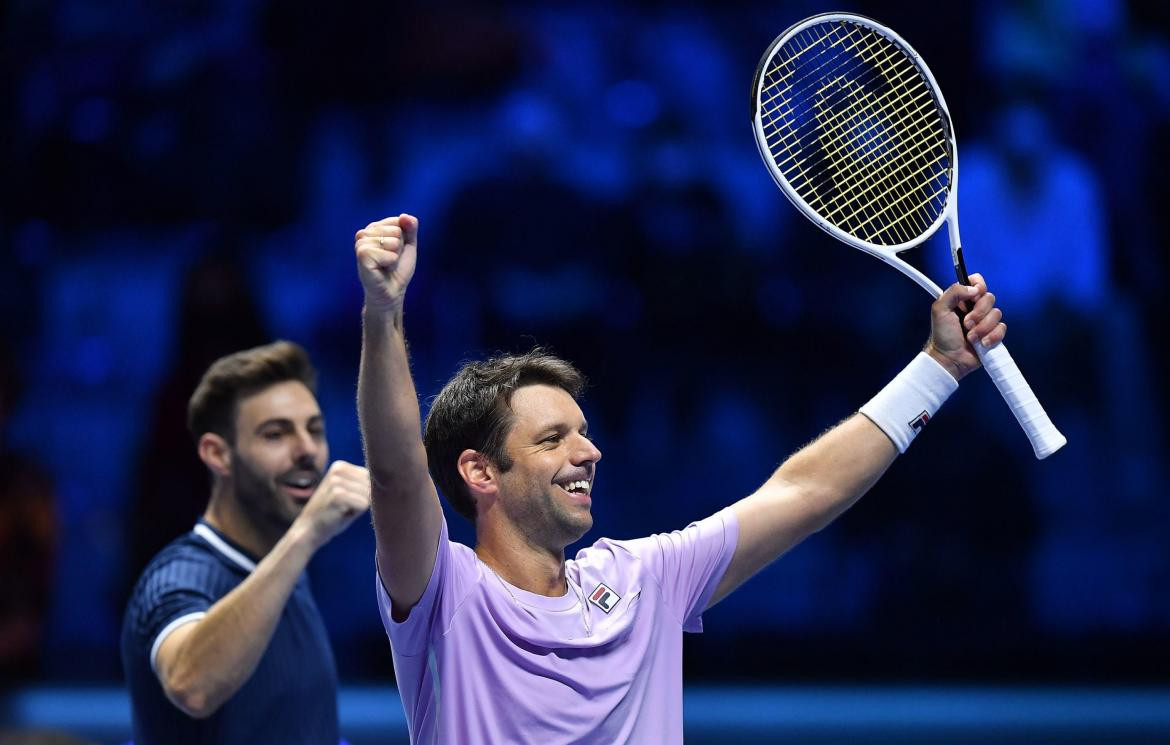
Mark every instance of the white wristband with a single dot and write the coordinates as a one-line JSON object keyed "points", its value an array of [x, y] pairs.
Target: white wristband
{"points": [[909, 401]]}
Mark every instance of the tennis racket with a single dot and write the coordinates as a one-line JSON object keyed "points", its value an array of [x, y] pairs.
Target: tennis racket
{"points": [[854, 130]]}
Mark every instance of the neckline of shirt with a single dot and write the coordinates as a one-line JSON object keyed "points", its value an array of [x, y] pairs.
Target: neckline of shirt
{"points": [[569, 601], [220, 543]]}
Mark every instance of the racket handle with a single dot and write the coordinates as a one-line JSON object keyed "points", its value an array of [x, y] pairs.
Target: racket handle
{"points": [[1046, 439]]}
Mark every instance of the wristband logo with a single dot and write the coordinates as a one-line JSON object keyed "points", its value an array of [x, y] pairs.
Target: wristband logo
{"points": [[604, 597], [918, 422]]}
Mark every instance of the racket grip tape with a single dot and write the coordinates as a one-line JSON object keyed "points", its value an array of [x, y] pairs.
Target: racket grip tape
{"points": [[1046, 439]]}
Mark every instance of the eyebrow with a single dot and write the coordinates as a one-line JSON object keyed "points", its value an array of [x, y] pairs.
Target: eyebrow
{"points": [[286, 422]]}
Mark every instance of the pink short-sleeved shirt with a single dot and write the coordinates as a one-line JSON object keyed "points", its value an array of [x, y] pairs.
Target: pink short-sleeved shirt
{"points": [[480, 661]]}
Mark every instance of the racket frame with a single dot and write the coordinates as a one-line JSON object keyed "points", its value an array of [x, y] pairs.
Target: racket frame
{"points": [[1043, 435], [949, 213]]}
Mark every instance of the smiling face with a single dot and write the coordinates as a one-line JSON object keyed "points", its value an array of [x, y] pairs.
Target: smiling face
{"points": [[279, 454], [548, 489]]}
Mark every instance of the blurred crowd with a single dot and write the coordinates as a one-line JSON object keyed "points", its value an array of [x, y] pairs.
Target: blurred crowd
{"points": [[184, 180]]}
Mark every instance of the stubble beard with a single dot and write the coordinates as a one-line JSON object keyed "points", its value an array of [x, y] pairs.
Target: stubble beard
{"points": [[260, 499], [545, 520]]}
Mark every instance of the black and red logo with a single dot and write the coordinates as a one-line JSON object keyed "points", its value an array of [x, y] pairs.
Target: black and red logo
{"points": [[604, 597], [919, 421]]}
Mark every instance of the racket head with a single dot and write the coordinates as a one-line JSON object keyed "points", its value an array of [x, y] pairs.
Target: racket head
{"points": [[855, 132]]}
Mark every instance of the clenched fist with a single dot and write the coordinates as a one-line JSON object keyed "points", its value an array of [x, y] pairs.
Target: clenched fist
{"points": [[342, 495], [386, 252]]}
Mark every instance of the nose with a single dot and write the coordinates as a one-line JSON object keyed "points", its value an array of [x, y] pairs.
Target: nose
{"points": [[586, 452], [307, 446]]}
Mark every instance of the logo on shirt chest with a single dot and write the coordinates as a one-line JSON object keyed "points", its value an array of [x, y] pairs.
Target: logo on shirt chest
{"points": [[604, 597]]}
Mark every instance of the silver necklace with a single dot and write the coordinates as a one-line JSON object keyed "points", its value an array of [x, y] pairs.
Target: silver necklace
{"points": [[576, 591]]}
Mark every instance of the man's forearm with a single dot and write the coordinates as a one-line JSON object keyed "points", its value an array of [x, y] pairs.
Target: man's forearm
{"points": [[806, 493], [404, 502], [203, 664], [835, 470], [823, 479], [388, 406]]}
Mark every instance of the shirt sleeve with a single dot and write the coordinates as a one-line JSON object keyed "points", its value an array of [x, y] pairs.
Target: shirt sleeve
{"points": [[176, 594], [688, 564], [452, 576]]}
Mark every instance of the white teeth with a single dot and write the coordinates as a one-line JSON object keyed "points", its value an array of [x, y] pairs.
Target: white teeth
{"points": [[577, 485]]}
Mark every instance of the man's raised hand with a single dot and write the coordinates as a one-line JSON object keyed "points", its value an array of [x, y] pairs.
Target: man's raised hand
{"points": [[386, 252], [950, 341]]}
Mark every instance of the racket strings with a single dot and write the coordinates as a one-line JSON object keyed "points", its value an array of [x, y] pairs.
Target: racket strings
{"points": [[853, 125], [914, 106], [863, 184], [846, 142], [814, 72], [777, 122], [810, 72], [852, 139], [807, 183], [842, 148], [781, 118], [876, 63], [858, 140]]}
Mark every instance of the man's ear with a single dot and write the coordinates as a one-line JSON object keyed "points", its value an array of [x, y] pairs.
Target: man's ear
{"points": [[479, 475], [215, 452]]}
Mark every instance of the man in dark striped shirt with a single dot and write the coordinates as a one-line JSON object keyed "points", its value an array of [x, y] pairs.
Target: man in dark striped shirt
{"points": [[222, 641]]}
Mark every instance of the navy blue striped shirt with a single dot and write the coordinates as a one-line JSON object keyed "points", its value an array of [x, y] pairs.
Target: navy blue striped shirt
{"points": [[292, 695]]}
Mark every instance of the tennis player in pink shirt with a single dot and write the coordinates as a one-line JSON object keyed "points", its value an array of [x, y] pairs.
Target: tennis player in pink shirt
{"points": [[509, 642]]}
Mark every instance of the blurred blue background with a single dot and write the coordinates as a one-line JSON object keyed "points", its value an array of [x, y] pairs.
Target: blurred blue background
{"points": [[182, 180]]}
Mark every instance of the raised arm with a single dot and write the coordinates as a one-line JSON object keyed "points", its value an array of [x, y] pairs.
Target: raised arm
{"points": [[203, 663], [823, 479], [405, 504]]}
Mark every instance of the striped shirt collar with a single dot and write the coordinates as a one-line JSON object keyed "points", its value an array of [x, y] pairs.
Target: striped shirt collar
{"points": [[222, 545]]}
